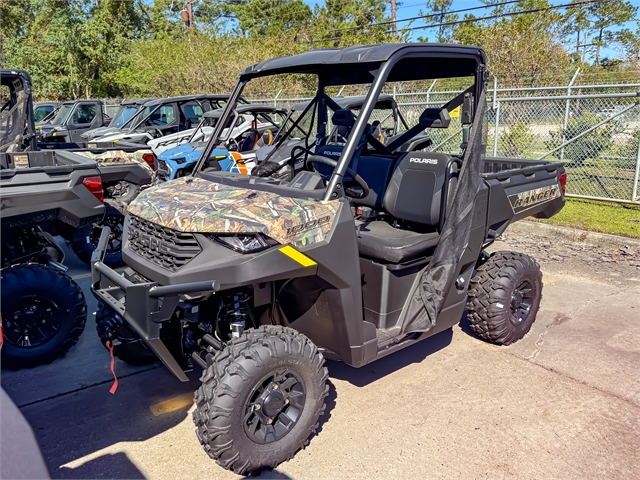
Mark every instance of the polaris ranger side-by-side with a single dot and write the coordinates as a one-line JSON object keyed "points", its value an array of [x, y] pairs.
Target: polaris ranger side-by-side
{"points": [[127, 111], [42, 194], [71, 120], [257, 280]]}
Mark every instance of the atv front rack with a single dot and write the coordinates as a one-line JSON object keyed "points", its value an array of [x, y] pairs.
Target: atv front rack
{"points": [[142, 305]]}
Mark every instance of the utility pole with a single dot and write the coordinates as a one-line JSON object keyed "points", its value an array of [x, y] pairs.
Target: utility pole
{"points": [[393, 18], [186, 15], [190, 13]]}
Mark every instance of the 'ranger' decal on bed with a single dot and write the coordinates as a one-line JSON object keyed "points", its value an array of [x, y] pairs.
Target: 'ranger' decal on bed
{"points": [[530, 198]]}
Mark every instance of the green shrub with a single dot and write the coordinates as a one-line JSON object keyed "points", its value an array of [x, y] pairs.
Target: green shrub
{"points": [[516, 141]]}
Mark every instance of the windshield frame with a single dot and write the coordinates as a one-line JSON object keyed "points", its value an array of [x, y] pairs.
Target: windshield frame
{"points": [[47, 113], [410, 52], [64, 115], [120, 111]]}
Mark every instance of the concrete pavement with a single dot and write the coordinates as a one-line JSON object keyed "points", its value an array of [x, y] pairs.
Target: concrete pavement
{"points": [[564, 402]]}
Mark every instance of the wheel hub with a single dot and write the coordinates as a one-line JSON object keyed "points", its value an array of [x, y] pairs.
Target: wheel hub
{"points": [[274, 407], [273, 403], [516, 299], [522, 300], [114, 243], [33, 321]]}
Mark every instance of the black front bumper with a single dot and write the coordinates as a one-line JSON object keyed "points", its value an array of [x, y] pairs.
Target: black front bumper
{"points": [[143, 305]]}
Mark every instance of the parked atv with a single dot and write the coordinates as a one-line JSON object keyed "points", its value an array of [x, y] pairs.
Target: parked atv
{"points": [[160, 117], [253, 126], [257, 280], [71, 121], [125, 115], [43, 193]]}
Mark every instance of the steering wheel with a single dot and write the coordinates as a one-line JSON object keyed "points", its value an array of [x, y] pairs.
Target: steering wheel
{"points": [[332, 163], [295, 155], [233, 145]]}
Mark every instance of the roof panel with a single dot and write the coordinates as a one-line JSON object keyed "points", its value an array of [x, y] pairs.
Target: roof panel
{"points": [[358, 63]]}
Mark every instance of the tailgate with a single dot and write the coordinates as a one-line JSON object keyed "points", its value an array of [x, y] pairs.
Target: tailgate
{"points": [[520, 189], [44, 186]]}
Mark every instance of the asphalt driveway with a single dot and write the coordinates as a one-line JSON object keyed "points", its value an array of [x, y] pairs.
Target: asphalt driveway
{"points": [[564, 402]]}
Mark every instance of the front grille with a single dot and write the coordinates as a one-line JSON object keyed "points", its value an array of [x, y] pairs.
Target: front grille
{"points": [[165, 247], [162, 171]]}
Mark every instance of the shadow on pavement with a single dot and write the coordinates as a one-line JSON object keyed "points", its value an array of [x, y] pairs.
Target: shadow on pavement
{"points": [[118, 465], [372, 372], [73, 426]]}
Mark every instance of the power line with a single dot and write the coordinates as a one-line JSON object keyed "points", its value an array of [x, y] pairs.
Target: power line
{"points": [[469, 20], [508, 14], [421, 17]]}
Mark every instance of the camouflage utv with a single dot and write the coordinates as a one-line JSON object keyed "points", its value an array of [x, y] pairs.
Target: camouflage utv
{"points": [[367, 250]]}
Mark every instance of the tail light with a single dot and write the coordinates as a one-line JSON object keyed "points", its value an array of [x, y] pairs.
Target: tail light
{"points": [[94, 185], [150, 158], [563, 183]]}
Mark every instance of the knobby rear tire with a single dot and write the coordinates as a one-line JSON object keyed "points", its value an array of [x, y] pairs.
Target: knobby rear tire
{"points": [[490, 297]]}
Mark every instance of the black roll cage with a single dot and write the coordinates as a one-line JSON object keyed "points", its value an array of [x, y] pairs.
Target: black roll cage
{"points": [[380, 75]]}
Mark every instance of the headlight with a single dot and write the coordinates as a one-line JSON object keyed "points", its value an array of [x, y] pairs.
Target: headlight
{"points": [[243, 243]]}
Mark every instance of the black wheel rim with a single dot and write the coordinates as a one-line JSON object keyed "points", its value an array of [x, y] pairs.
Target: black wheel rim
{"points": [[114, 222], [522, 300], [31, 321], [121, 189], [274, 406]]}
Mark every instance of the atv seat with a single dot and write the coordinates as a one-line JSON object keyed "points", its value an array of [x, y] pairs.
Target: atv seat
{"points": [[251, 141], [414, 195], [381, 241]]}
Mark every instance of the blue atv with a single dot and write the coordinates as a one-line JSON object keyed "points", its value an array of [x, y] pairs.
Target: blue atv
{"points": [[179, 161], [252, 128]]}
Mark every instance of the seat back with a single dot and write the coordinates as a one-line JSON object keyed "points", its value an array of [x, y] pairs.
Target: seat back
{"points": [[374, 170], [415, 190], [250, 141]]}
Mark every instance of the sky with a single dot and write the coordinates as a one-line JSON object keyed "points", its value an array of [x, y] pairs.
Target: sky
{"points": [[411, 8]]}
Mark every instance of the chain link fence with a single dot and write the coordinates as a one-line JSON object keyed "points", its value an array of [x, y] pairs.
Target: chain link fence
{"points": [[593, 127]]}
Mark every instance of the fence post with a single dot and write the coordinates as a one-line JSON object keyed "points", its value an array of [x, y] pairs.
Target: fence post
{"points": [[566, 113], [495, 133], [496, 109], [634, 195], [275, 100], [429, 91], [394, 93]]}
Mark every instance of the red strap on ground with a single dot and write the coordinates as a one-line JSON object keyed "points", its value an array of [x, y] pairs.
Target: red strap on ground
{"points": [[114, 387]]}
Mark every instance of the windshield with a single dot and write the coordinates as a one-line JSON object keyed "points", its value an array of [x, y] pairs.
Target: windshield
{"points": [[62, 114], [157, 116], [125, 114], [205, 126], [41, 112]]}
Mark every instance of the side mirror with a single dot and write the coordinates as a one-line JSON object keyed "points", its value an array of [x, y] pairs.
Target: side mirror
{"points": [[435, 118]]}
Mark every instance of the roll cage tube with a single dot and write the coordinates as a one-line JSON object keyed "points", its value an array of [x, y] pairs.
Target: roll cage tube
{"points": [[334, 188], [295, 124], [219, 126]]}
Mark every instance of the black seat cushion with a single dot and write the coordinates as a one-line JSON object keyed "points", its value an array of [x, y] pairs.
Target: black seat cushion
{"points": [[381, 241]]}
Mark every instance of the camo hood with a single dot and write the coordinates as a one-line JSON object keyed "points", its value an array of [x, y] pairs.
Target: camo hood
{"points": [[192, 204], [120, 157]]}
